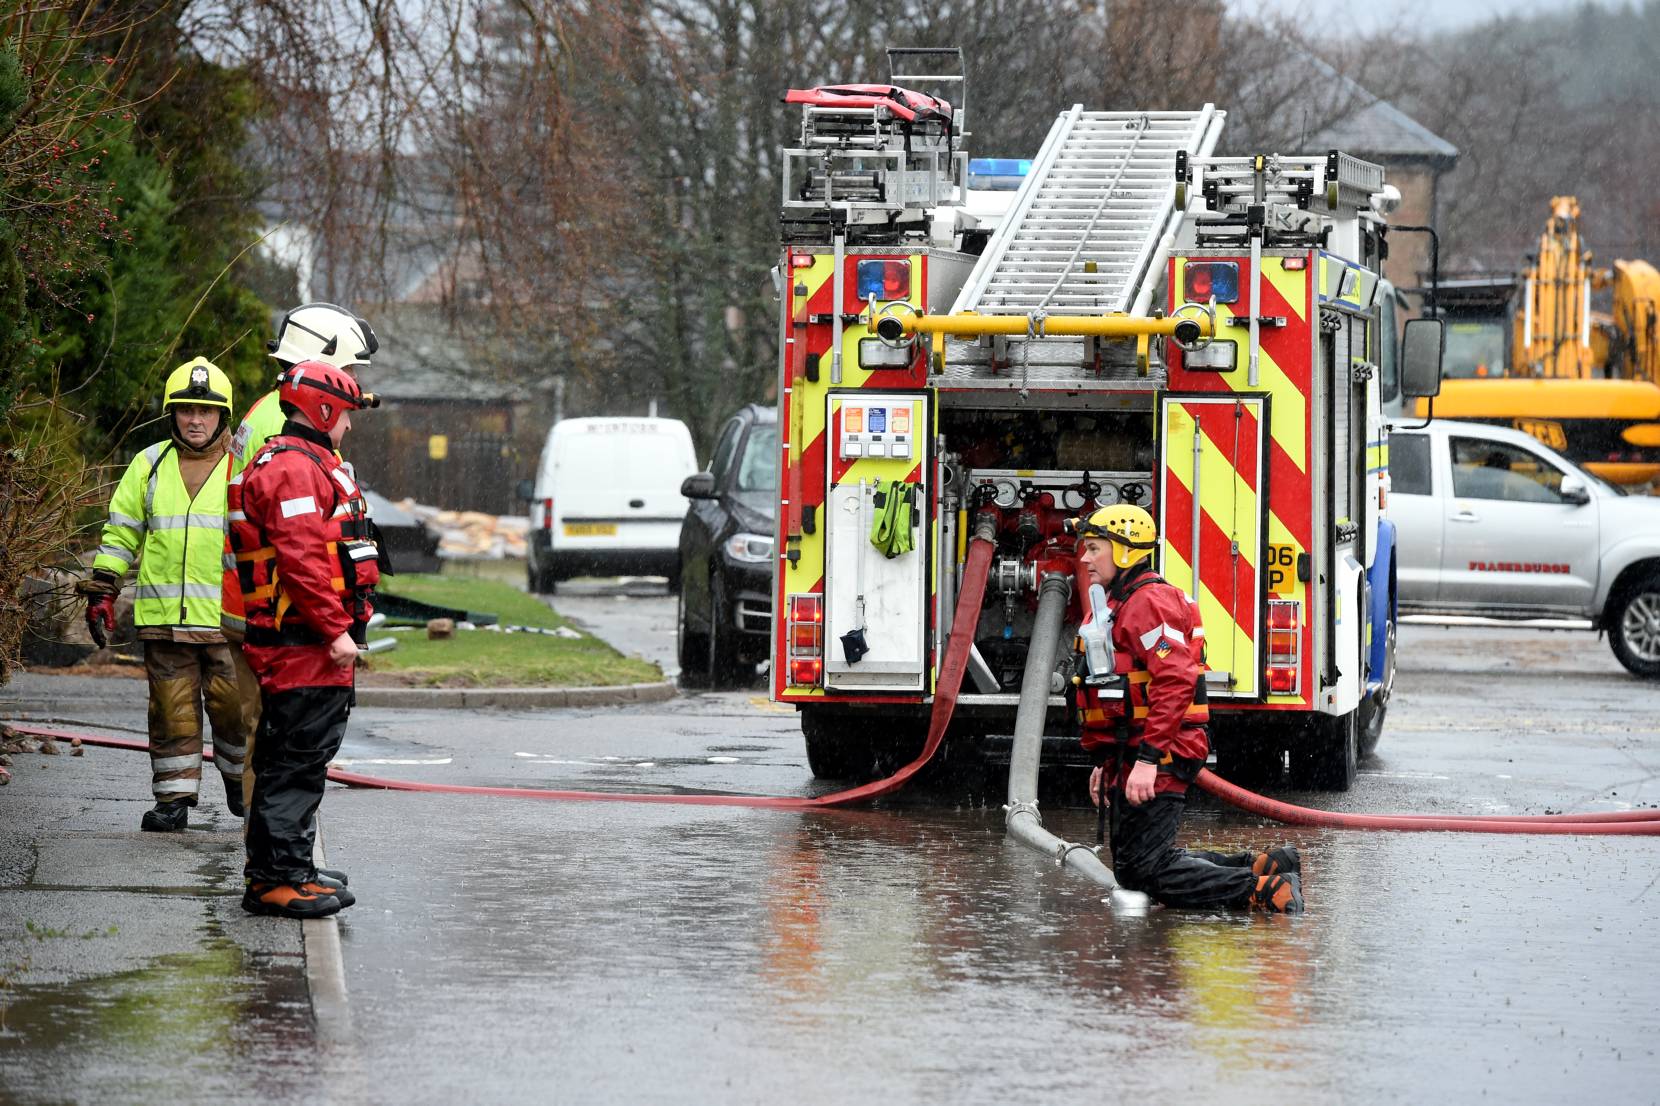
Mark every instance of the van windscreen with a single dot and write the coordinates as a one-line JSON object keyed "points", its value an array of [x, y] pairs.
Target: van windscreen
{"points": [[624, 461]]}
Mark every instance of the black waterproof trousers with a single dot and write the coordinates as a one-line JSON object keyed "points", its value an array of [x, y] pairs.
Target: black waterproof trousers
{"points": [[299, 733], [1146, 859]]}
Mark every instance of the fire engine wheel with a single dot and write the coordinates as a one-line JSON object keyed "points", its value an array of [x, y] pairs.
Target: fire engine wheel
{"points": [[856, 749], [1245, 755], [691, 649], [1634, 628], [1325, 757], [1374, 706]]}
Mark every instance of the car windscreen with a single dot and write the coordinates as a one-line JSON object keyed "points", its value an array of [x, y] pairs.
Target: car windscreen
{"points": [[758, 471], [1474, 350]]}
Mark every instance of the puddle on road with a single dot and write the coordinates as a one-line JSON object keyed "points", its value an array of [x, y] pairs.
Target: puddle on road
{"points": [[919, 955], [201, 1026]]}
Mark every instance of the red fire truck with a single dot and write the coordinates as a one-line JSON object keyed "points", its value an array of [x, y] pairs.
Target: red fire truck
{"points": [[1125, 318]]}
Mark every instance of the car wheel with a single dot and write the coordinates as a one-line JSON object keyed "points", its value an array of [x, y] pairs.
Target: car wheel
{"points": [[725, 670], [691, 649], [1634, 628], [1373, 707], [1325, 757]]}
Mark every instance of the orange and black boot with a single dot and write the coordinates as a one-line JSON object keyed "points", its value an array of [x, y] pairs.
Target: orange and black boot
{"points": [[1278, 862], [1278, 894], [287, 900], [323, 885]]}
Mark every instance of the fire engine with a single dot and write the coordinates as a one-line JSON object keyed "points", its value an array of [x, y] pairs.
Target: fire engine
{"points": [[975, 351]]}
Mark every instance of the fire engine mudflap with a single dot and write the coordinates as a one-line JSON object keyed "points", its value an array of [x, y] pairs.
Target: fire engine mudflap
{"points": [[1125, 318]]}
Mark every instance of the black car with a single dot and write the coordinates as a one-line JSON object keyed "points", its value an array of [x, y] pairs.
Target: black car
{"points": [[724, 625]]}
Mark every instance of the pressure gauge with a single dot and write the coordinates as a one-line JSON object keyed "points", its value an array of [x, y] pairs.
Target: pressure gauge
{"points": [[1108, 495], [1008, 493]]}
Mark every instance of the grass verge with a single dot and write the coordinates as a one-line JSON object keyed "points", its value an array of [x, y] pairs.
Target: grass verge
{"points": [[489, 658]]}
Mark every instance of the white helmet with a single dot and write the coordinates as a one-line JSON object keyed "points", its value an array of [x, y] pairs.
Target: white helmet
{"points": [[323, 332]]}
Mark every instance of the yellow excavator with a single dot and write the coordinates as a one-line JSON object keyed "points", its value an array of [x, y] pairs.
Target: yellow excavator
{"points": [[1527, 351]]}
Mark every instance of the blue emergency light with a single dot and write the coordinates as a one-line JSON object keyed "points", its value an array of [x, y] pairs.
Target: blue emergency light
{"points": [[1202, 280], [998, 174], [886, 280]]}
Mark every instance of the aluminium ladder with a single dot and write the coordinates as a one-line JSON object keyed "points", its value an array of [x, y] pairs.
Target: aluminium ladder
{"points": [[1087, 234]]}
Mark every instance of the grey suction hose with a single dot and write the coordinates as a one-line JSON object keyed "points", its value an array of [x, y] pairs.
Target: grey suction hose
{"points": [[1022, 819]]}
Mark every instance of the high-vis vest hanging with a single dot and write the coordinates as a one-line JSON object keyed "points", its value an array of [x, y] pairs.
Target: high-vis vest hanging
{"points": [[177, 539]]}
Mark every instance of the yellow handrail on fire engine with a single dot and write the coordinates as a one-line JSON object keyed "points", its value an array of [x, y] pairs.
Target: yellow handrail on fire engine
{"points": [[899, 322]]}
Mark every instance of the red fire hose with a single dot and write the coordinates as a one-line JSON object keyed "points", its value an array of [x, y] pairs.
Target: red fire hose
{"points": [[955, 664], [1645, 823]]}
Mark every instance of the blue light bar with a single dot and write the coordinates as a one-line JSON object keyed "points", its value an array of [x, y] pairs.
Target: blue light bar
{"points": [[998, 174]]}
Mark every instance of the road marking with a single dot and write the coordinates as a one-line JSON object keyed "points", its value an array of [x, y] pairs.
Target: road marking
{"points": [[723, 760], [392, 760]]}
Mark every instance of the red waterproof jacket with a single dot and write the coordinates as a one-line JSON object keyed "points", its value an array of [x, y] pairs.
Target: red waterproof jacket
{"points": [[304, 561], [1158, 650]]}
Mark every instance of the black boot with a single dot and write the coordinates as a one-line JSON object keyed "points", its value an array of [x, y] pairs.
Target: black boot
{"points": [[167, 817], [233, 798]]}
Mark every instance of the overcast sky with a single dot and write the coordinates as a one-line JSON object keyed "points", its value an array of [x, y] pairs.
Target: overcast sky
{"points": [[1428, 15]]}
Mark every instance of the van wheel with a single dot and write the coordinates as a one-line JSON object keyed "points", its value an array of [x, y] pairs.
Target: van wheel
{"points": [[539, 582], [1634, 627], [1325, 757], [691, 650]]}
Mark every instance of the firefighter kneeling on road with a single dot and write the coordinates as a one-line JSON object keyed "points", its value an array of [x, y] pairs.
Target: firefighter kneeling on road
{"points": [[168, 515], [307, 569], [1145, 723]]}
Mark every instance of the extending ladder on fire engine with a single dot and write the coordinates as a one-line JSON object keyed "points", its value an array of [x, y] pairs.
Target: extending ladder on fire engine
{"points": [[1087, 224]]}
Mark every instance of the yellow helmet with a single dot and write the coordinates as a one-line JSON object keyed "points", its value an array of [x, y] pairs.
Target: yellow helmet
{"points": [[201, 382], [1131, 530]]}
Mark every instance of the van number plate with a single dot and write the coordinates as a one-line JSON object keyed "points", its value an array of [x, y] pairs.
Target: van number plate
{"points": [[590, 529]]}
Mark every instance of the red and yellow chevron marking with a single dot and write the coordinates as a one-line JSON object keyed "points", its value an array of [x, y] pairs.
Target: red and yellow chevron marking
{"points": [[804, 412], [1284, 375], [1229, 438]]}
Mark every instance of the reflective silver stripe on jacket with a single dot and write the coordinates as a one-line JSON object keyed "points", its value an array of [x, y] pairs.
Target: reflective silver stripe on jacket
{"points": [[133, 524], [179, 522], [124, 555], [178, 591]]}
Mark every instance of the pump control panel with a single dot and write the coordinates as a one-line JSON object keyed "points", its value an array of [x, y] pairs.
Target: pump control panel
{"points": [[882, 426]]}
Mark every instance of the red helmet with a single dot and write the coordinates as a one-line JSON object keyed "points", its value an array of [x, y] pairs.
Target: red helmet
{"points": [[321, 391]]}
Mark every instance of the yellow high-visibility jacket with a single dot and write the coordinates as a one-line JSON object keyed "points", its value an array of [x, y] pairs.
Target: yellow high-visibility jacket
{"points": [[177, 539]]}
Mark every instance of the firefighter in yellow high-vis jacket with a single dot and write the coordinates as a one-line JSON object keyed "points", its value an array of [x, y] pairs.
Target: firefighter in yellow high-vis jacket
{"points": [[167, 517]]}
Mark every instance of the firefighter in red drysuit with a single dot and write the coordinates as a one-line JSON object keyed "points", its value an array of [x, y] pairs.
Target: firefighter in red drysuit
{"points": [[1147, 758], [306, 567]]}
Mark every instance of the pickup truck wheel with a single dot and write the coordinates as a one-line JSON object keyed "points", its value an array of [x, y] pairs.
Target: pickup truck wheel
{"points": [[691, 649], [1634, 628], [1325, 758]]}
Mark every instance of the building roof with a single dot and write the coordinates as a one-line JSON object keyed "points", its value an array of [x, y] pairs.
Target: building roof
{"points": [[423, 359], [1375, 128]]}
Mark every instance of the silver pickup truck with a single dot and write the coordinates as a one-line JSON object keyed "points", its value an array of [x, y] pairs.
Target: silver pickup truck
{"points": [[1493, 524]]}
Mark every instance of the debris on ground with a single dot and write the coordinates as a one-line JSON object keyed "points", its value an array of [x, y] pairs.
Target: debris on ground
{"points": [[472, 534]]}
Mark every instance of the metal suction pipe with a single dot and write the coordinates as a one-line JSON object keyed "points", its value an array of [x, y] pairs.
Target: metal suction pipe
{"points": [[1022, 819]]}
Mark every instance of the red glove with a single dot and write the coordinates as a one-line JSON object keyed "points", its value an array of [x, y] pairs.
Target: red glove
{"points": [[100, 617]]}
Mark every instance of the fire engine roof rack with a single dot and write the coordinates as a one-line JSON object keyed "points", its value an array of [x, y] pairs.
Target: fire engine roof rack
{"points": [[1344, 184], [1083, 232]]}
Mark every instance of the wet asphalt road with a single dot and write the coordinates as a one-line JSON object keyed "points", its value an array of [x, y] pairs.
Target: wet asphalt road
{"points": [[516, 950]]}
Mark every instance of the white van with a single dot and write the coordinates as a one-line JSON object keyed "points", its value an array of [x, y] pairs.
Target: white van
{"points": [[606, 499]]}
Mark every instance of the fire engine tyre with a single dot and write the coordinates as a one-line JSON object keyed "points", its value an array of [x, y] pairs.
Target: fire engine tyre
{"points": [[857, 749], [1245, 755], [1325, 757], [1634, 627], [1373, 707], [691, 649], [725, 669]]}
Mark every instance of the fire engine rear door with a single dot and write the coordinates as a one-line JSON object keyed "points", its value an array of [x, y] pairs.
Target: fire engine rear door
{"points": [[877, 603], [1212, 506]]}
